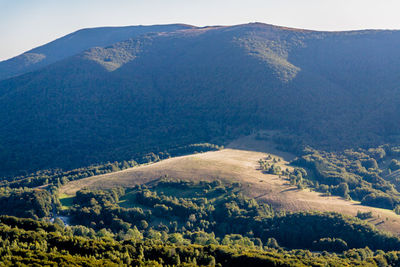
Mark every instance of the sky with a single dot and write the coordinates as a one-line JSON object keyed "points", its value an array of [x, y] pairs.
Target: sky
{"points": [[25, 24]]}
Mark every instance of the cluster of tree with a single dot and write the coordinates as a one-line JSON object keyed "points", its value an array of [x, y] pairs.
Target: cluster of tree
{"points": [[353, 174], [394, 165], [25, 202], [296, 177], [269, 165], [142, 206], [364, 215], [173, 215], [23, 241], [57, 177], [88, 114], [219, 211], [330, 244], [30, 242]]}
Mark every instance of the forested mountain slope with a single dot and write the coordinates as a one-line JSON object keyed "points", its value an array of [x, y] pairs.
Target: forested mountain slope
{"points": [[74, 43], [157, 91]]}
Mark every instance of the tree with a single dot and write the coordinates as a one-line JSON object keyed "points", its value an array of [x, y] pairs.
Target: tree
{"points": [[272, 243], [143, 224], [343, 190]]}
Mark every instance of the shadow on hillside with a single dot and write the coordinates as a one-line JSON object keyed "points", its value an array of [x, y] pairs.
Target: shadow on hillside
{"points": [[264, 144], [290, 189]]}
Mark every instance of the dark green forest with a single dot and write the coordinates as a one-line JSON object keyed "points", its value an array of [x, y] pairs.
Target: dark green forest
{"points": [[365, 175], [220, 210], [155, 92], [28, 242], [75, 43], [103, 100], [185, 223], [179, 223]]}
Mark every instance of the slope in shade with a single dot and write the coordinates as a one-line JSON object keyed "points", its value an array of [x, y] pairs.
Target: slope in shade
{"points": [[75, 43], [158, 91]]}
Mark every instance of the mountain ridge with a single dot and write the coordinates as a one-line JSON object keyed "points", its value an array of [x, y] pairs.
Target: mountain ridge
{"points": [[46, 54], [49, 53], [174, 88]]}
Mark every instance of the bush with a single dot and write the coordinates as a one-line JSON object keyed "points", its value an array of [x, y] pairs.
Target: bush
{"points": [[330, 244]]}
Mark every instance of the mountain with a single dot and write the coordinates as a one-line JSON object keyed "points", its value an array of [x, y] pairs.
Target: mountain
{"points": [[167, 89], [74, 43]]}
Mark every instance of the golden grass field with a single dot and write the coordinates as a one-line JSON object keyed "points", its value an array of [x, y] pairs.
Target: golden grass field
{"points": [[239, 163]]}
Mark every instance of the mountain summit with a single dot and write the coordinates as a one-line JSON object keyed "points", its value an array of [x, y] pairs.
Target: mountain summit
{"points": [[119, 92], [74, 43]]}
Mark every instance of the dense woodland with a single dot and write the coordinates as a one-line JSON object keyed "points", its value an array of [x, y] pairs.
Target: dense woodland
{"points": [[365, 175], [212, 218], [179, 222], [70, 110], [210, 207], [368, 175], [74, 43], [125, 99], [29, 242], [175, 222]]}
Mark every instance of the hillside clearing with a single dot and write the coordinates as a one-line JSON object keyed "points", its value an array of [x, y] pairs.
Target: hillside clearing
{"points": [[239, 163]]}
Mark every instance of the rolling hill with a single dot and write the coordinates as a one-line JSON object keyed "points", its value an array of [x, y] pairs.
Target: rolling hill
{"points": [[75, 43], [157, 91], [96, 130], [238, 163]]}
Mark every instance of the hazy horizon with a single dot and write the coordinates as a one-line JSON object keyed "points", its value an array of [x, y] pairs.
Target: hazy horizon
{"points": [[27, 24]]}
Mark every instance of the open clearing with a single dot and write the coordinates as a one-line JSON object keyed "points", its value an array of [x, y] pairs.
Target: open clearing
{"points": [[238, 163]]}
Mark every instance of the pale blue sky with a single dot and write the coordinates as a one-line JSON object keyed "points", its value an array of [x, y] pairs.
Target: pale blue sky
{"points": [[25, 24]]}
